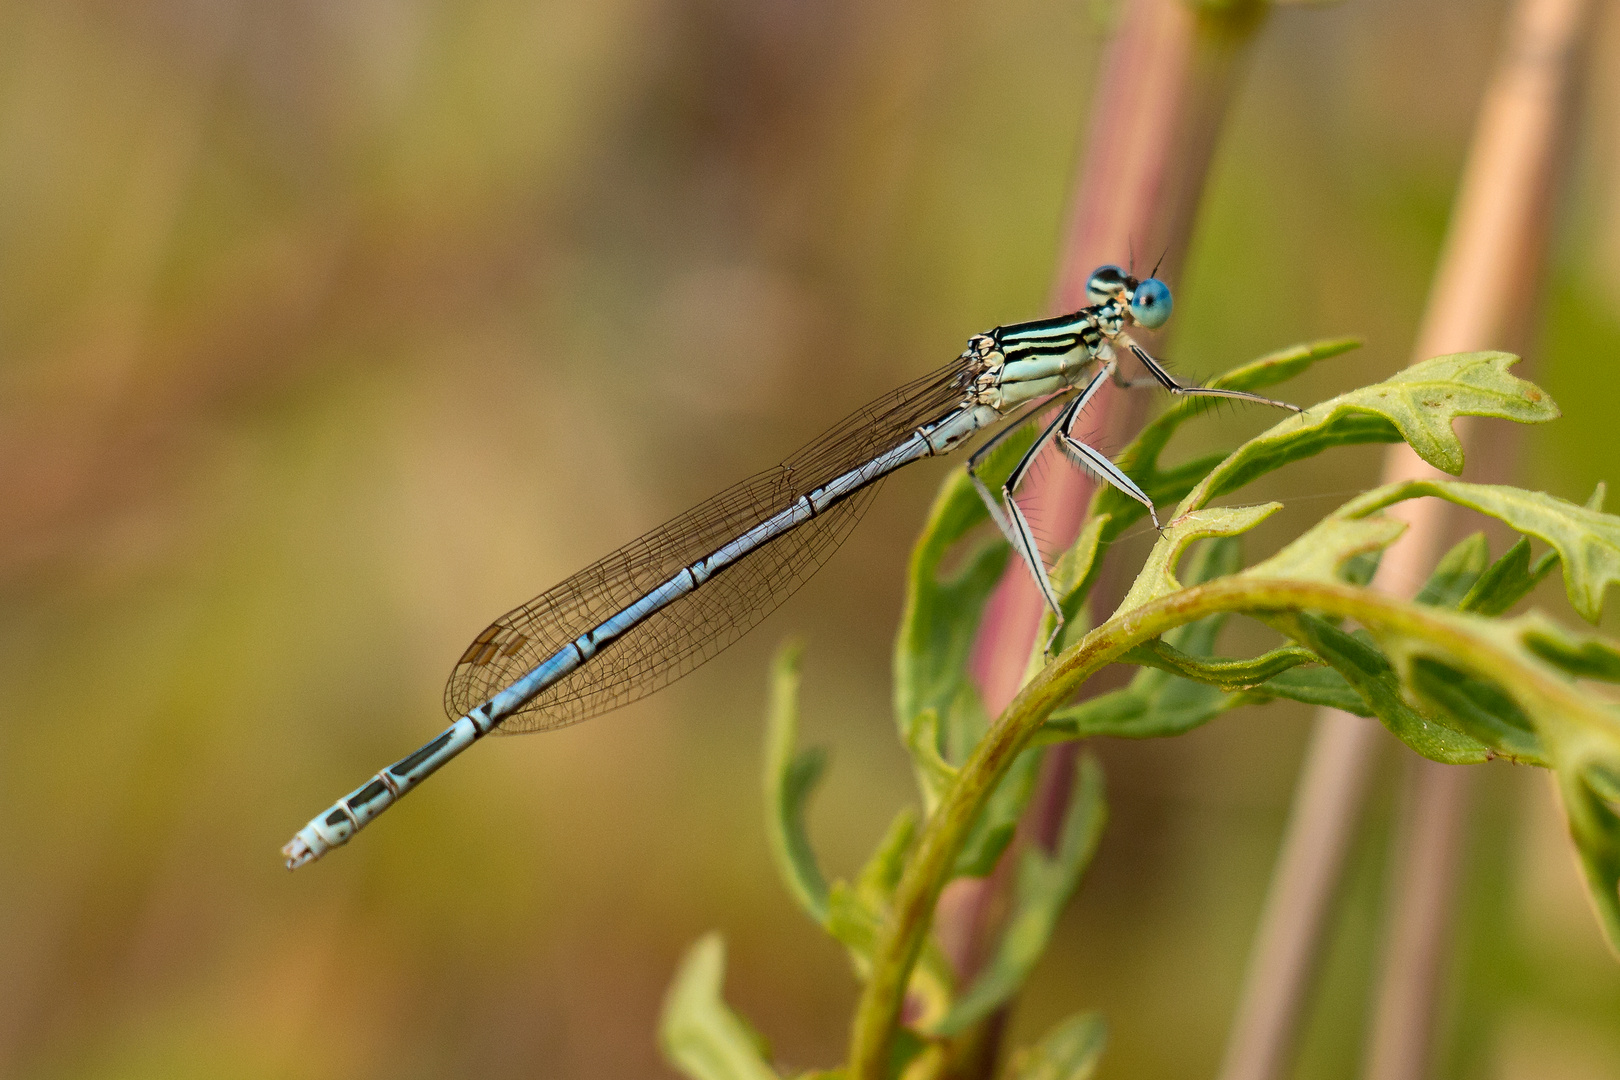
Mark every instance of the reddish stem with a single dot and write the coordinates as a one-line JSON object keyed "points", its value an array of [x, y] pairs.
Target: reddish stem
{"points": [[1167, 78]]}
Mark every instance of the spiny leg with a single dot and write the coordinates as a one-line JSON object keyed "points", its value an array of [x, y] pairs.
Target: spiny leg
{"points": [[1012, 522], [1096, 461], [1166, 380], [1025, 415]]}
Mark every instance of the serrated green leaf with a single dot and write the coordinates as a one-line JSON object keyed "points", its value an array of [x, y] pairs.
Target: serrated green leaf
{"points": [[1508, 580], [1320, 552], [1043, 888], [790, 778], [1422, 400], [940, 620], [698, 1033], [1069, 1051], [1417, 404], [1158, 576], [1456, 573], [1587, 541], [1366, 669]]}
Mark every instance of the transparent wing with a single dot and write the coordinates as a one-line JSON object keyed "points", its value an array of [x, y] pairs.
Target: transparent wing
{"points": [[696, 627]]}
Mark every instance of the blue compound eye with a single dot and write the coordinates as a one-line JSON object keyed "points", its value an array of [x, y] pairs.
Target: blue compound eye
{"points": [[1150, 304], [1106, 283]]}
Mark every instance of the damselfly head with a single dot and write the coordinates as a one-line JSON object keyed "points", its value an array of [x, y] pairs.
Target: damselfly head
{"points": [[1150, 304], [1107, 283]]}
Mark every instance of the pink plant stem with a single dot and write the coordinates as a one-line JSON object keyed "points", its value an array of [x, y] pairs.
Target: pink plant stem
{"points": [[1483, 297], [1167, 78]]}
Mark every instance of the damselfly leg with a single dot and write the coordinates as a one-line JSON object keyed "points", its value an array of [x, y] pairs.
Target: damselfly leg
{"points": [[1011, 520], [1158, 376]]}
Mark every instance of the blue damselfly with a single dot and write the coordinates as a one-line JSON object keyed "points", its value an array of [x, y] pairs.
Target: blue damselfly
{"points": [[661, 605]]}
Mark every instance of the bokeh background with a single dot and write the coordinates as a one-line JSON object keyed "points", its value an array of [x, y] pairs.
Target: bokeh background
{"points": [[329, 330]]}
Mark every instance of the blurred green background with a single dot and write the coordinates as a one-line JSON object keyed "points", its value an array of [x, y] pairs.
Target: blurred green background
{"points": [[330, 330]]}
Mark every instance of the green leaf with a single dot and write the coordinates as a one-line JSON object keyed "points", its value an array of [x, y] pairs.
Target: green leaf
{"points": [[1223, 673], [1319, 554], [790, 777], [1470, 720], [1508, 580], [995, 826], [1284, 364], [854, 922], [934, 773], [1579, 735], [1157, 703], [851, 914], [1587, 540], [1158, 573], [1360, 569], [1577, 656], [1044, 886], [1456, 573], [855, 915], [1591, 798], [1422, 400], [1323, 687], [1069, 1051], [938, 625], [856, 911], [1127, 713], [698, 1033], [1417, 404], [1477, 709], [882, 871], [1366, 669]]}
